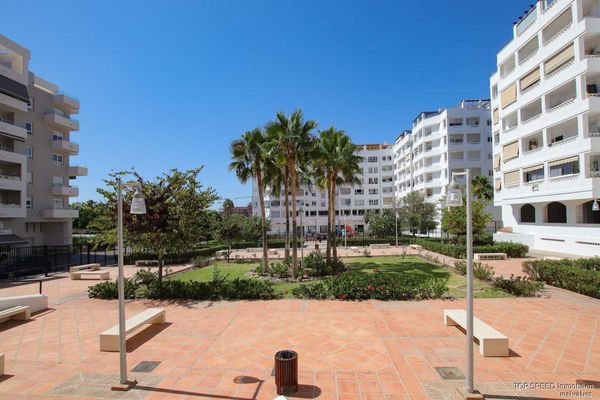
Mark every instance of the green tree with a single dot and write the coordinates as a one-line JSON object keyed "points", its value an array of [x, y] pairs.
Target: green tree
{"points": [[415, 213], [454, 219], [290, 138], [248, 160], [334, 163], [227, 207], [381, 224], [482, 188], [89, 213], [175, 206]]}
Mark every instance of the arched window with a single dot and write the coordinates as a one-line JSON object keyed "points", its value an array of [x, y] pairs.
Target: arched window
{"points": [[589, 216], [528, 213], [557, 213]]}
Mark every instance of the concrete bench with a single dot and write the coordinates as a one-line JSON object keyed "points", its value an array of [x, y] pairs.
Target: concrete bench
{"points": [[103, 275], [273, 252], [380, 246], [491, 342], [36, 302], [1, 364], [146, 263], [91, 267], [417, 247], [252, 250], [552, 258], [109, 339], [19, 313], [489, 256], [355, 249]]}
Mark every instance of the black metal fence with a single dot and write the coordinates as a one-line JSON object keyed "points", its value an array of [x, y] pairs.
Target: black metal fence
{"points": [[27, 262]]}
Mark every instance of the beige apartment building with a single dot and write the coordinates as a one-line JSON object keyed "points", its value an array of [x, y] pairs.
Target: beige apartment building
{"points": [[35, 147]]}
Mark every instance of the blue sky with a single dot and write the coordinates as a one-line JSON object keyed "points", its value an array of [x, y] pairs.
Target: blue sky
{"points": [[169, 84]]}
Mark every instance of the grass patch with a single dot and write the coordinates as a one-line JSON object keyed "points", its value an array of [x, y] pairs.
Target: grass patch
{"points": [[409, 265]]}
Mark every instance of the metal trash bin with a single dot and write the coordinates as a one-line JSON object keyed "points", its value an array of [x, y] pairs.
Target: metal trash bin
{"points": [[286, 371]]}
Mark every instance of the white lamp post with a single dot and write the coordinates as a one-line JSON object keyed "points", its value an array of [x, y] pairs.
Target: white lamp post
{"points": [[595, 206], [138, 206], [302, 233], [454, 199]]}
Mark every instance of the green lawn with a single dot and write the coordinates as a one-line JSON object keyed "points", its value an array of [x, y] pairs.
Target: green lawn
{"points": [[410, 265]]}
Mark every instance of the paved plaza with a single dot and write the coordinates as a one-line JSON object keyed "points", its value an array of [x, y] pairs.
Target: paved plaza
{"points": [[347, 350]]}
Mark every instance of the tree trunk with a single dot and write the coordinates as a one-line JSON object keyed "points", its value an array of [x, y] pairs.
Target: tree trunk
{"points": [[328, 253], [294, 224], [160, 270], [286, 187], [333, 198], [263, 213]]}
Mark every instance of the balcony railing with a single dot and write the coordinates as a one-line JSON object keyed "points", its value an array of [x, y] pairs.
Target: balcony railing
{"points": [[557, 34], [10, 177], [9, 205], [564, 141], [561, 104], [528, 57]]}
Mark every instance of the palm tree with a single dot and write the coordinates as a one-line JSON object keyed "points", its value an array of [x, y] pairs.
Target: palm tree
{"points": [[335, 163], [276, 176], [482, 188], [292, 137], [248, 160]]}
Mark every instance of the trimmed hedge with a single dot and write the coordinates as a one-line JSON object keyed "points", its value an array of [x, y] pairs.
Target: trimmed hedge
{"points": [[512, 250], [357, 286], [174, 258], [580, 276]]}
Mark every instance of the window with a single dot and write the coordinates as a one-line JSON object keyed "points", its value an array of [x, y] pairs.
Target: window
{"points": [[57, 204], [556, 213], [373, 181], [313, 203], [535, 173], [373, 191], [372, 159], [322, 204], [29, 202], [359, 192], [567, 166], [528, 213], [29, 128], [57, 180], [456, 121], [57, 136], [374, 202], [30, 152], [274, 203], [473, 121], [58, 159], [373, 170], [29, 177], [359, 202]]}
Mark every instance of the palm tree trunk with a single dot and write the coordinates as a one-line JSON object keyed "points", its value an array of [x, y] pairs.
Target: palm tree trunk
{"points": [[294, 224], [286, 187], [333, 196], [263, 213], [328, 254]]}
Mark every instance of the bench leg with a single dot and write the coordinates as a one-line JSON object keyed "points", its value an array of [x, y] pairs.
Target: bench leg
{"points": [[1, 364], [448, 321], [109, 342], [160, 318], [493, 347], [24, 316]]}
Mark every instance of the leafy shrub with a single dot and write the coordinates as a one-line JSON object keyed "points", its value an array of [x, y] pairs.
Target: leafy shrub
{"points": [[144, 277], [359, 286], [512, 250], [580, 276], [519, 286], [260, 269], [201, 261], [316, 265], [109, 290], [174, 258], [483, 271], [252, 289], [280, 270], [460, 267]]}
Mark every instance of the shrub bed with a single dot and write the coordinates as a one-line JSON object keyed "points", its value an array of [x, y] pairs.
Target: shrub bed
{"points": [[357, 286], [174, 258], [512, 250], [581, 276], [519, 286]]}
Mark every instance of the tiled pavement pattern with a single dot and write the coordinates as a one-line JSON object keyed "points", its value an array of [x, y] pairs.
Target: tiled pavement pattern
{"points": [[347, 350]]}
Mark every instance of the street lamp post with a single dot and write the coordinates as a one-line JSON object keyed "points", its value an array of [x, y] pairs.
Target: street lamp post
{"points": [[138, 206], [302, 240], [454, 199]]}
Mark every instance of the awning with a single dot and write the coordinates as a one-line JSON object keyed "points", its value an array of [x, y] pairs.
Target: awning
{"points": [[508, 96], [530, 79], [559, 59], [498, 184], [11, 239], [563, 161], [534, 168], [510, 151], [512, 178], [14, 89]]}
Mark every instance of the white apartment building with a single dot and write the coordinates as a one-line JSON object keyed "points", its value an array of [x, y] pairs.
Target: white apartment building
{"points": [[546, 127], [441, 142], [375, 192], [35, 146]]}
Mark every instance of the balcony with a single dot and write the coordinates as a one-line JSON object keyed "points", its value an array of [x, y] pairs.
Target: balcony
{"points": [[13, 103], [60, 213], [11, 182], [13, 131], [561, 97], [8, 155], [557, 27], [77, 171], [11, 210], [68, 103], [64, 146], [61, 190], [61, 122]]}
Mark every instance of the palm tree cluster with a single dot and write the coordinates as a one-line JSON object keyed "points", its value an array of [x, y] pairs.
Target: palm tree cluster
{"points": [[286, 154]]}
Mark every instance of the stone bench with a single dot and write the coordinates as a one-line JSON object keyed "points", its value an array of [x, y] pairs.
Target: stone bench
{"points": [[489, 256], [103, 275], [380, 246], [417, 247], [355, 249], [91, 267], [491, 342], [551, 258], [36, 302], [109, 339], [146, 263], [18, 313]]}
